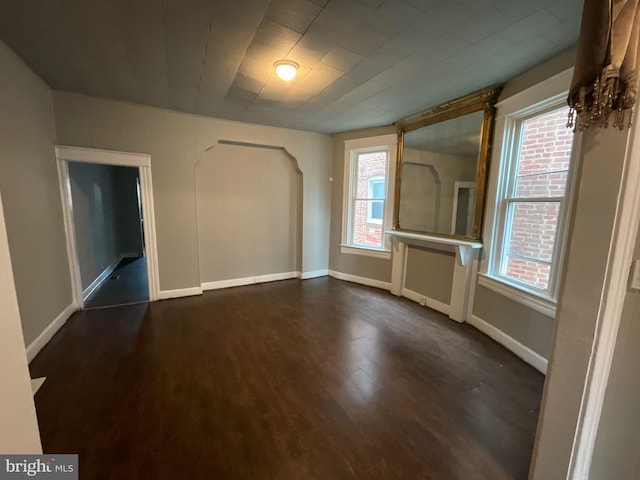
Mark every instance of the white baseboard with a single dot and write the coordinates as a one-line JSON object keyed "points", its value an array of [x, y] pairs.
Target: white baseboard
{"points": [[369, 282], [178, 293], [36, 383], [238, 282], [100, 279], [534, 359], [314, 274], [426, 301], [47, 334]]}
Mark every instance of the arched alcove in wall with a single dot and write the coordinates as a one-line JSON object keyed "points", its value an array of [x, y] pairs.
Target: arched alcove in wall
{"points": [[249, 213]]}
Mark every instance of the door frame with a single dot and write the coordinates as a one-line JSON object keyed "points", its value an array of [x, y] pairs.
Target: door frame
{"points": [[66, 154]]}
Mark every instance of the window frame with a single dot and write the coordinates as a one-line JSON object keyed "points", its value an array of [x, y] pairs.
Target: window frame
{"points": [[353, 148], [512, 113]]}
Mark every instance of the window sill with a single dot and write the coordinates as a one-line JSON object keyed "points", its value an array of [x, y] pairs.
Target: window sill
{"points": [[369, 252], [540, 304]]}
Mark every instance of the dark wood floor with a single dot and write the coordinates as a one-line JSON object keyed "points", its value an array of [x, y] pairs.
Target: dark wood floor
{"points": [[127, 284], [320, 379]]}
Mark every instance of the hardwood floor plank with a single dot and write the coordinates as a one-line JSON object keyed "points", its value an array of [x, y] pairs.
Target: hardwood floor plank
{"points": [[314, 379]]}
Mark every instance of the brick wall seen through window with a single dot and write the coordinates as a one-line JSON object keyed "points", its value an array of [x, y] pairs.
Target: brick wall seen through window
{"points": [[543, 163]]}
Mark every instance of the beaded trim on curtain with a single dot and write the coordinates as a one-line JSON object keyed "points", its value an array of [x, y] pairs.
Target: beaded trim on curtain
{"points": [[605, 79]]}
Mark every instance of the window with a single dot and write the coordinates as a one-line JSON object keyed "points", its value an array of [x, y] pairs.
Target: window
{"points": [[532, 202], [376, 207], [369, 166]]}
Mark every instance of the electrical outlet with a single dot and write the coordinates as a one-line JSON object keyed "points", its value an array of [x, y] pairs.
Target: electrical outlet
{"points": [[635, 275]]}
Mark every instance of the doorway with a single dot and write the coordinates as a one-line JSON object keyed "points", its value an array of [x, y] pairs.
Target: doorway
{"points": [[109, 224]]}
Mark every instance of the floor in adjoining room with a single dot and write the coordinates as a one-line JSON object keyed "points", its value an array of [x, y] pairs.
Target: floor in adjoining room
{"points": [[128, 283], [316, 379]]}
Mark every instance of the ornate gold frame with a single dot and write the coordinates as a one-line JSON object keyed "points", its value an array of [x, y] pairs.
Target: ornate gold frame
{"points": [[481, 100]]}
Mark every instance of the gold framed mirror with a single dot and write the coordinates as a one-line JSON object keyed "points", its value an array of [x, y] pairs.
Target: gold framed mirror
{"points": [[441, 174]]}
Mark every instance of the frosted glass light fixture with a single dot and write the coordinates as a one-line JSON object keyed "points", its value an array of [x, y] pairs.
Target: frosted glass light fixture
{"points": [[286, 69]]}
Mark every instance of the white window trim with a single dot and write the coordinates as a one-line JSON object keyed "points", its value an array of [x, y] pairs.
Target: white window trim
{"points": [[351, 149], [546, 94]]}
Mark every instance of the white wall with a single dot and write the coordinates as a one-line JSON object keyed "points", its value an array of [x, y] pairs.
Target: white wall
{"points": [[29, 186], [249, 209], [617, 448], [95, 218], [176, 143], [19, 427], [581, 295]]}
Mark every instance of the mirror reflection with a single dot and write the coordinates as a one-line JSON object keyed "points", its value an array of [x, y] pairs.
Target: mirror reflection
{"points": [[439, 169]]}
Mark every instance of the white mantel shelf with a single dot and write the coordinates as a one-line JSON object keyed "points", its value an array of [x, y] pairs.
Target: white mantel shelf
{"points": [[463, 247], [462, 273]]}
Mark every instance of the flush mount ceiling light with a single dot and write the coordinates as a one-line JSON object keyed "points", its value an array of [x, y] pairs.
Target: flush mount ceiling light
{"points": [[286, 69]]}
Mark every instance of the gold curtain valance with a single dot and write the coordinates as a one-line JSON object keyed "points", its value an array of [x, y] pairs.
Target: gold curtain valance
{"points": [[605, 78]]}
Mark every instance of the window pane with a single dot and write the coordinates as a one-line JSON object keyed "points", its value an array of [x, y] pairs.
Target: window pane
{"points": [[370, 165], [377, 188], [545, 152], [533, 229], [376, 210], [542, 185], [528, 271], [366, 232]]}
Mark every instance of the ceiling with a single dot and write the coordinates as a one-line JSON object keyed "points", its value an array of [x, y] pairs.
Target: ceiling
{"points": [[362, 63]]}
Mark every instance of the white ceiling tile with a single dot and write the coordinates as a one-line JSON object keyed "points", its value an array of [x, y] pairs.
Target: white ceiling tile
{"points": [[442, 48], [275, 89], [343, 15], [562, 34], [321, 38], [408, 42], [276, 36], [442, 20], [424, 5], [140, 27], [373, 4], [566, 9], [264, 54], [294, 14], [518, 10], [517, 58], [479, 51], [254, 67], [231, 31], [241, 94], [305, 56], [482, 25], [67, 64], [475, 5], [298, 95], [105, 42], [247, 12], [342, 59], [248, 83], [530, 26], [391, 17], [364, 41], [320, 77]]}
